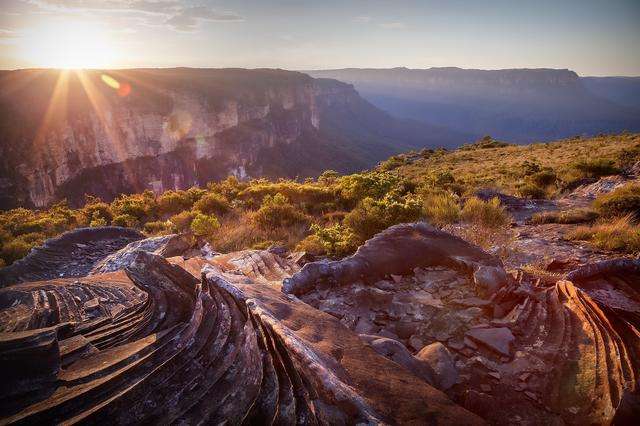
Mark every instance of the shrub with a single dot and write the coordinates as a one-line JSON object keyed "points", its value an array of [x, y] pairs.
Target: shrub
{"points": [[173, 202], [620, 235], [212, 203], [182, 221], [565, 217], [328, 177], [125, 220], [97, 220], [357, 187], [392, 163], [544, 178], [619, 202], [530, 190], [276, 211], [156, 228], [96, 211], [441, 208], [488, 214], [204, 225], [16, 249], [141, 206], [596, 168], [312, 244], [629, 156], [530, 168], [372, 216], [336, 240]]}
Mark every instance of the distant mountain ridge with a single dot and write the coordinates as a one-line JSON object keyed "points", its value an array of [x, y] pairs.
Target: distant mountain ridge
{"points": [[518, 105], [64, 135]]}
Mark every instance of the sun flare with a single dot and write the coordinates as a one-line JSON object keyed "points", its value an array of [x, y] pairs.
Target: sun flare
{"points": [[70, 45]]}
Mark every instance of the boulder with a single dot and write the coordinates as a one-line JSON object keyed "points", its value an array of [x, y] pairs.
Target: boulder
{"points": [[438, 357], [496, 339]]}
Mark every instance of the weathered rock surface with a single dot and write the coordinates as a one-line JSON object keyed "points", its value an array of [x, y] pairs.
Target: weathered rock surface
{"points": [[395, 251], [72, 254], [368, 339], [166, 246], [524, 354]]}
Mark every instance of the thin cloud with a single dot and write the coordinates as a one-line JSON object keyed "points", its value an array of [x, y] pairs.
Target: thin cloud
{"points": [[363, 19], [172, 13], [393, 25]]}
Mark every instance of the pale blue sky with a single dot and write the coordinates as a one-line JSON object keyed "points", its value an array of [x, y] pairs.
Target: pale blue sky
{"points": [[592, 37]]}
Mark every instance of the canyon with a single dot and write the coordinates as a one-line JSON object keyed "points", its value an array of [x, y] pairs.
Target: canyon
{"points": [[64, 134]]}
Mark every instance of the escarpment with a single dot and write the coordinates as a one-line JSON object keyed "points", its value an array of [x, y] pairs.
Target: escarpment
{"points": [[417, 327], [109, 132]]}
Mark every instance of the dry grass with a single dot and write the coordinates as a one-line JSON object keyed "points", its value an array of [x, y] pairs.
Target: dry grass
{"points": [[502, 167], [240, 231], [485, 214], [565, 217], [621, 235], [441, 208], [619, 202]]}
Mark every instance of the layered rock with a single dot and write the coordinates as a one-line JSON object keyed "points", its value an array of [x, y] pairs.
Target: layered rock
{"points": [[72, 254], [181, 349], [523, 353], [417, 327]]}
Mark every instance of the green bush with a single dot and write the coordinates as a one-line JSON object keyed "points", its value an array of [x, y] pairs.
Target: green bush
{"points": [[372, 216], [212, 203], [489, 214], [96, 211], [181, 222], [20, 247], [336, 240], [620, 202], [173, 202], [96, 220], [357, 187], [141, 206], [204, 225], [125, 220], [277, 211], [156, 227]]}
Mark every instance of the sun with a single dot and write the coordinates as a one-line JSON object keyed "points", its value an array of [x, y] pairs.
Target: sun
{"points": [[69, 45]]}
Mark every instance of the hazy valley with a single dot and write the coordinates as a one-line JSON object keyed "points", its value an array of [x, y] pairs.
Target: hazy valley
{"points": [[518, 105]]}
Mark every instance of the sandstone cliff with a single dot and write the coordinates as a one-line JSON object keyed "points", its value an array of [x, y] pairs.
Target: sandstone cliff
{"points": [[66, 134]]}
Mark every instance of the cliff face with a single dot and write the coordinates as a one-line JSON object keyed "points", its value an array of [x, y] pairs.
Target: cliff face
{"points": [[66, 134]]}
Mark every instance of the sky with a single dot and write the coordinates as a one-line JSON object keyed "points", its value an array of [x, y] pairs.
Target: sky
{"points": [[591, 37]]}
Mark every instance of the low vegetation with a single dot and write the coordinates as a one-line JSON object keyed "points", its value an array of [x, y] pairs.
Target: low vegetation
{"points": [[621, 234], [617, 229], [566, 217], [333, 214]]}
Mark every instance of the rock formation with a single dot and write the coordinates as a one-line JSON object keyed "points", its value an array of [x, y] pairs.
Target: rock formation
{"points": [[417, 327]]}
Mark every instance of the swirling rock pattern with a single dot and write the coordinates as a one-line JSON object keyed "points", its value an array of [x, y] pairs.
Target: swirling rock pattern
{"points": [[73, 254], [417, 327]]}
